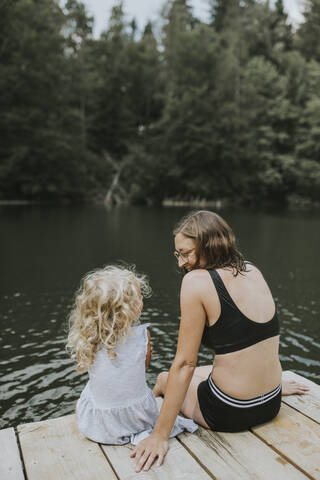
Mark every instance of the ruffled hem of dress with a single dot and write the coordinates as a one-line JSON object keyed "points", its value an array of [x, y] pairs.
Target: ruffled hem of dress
{"points": [[118, 426]]}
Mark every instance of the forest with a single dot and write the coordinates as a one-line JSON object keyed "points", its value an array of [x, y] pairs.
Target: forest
{"points": [[227, 109]]}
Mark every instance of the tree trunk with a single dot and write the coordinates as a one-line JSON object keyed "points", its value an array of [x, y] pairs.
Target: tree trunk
{"points": [[116, 194]]}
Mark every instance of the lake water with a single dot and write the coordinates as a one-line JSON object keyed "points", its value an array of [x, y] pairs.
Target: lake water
{"points": [[45, 250]]}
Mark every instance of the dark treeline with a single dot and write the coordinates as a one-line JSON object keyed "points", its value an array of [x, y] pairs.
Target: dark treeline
{"points": [[224, 109]]}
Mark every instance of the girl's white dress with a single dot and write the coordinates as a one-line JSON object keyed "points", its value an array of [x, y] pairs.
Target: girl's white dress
{"points": [[116, 406]]}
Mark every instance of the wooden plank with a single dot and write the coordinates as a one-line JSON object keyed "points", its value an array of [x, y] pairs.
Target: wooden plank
{"points": [[238, 456], [178, 464], [309, 403], [296, 437], [10, 462], [55, 449]]}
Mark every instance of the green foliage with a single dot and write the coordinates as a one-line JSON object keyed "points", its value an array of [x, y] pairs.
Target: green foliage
{"points": [[309, 32], [41, 149], [225, 13], [265, 139], [228, 108]]}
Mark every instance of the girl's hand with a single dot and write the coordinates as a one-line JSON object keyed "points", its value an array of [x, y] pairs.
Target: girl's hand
{"points": [[148, 450]]}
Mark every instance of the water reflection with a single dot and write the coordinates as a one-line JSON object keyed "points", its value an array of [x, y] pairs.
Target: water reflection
{"points": [[40, 381], [45, 251]]}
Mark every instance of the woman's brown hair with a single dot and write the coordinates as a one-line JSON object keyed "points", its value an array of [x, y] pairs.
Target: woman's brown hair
{"points": [[215, 241]]}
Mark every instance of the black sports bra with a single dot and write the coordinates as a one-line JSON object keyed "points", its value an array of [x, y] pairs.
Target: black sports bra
{"points": [[233, 330]]}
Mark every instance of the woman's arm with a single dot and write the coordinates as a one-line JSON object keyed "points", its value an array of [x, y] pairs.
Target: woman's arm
{"points": [[192, 323]]}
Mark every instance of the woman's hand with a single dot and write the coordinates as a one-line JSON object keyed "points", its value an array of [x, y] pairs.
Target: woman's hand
{"points": [[290, 387], [148, 450], [193, 318]]}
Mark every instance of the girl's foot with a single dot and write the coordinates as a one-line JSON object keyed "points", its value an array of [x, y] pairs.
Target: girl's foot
{"points": [[156, 391], [161, 384], [290, 387]]}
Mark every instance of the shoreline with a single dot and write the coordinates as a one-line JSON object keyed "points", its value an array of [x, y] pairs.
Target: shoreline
{"points": [[294, 204]]}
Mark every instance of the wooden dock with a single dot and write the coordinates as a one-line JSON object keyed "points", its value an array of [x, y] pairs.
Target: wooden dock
{"points": [[284, 449]]}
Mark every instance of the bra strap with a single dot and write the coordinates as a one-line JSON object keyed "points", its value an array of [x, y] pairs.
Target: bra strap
{"points": [[222, 292]]}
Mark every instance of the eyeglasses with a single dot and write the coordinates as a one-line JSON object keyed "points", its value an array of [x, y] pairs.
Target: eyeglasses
{"points": [[183, 255]]}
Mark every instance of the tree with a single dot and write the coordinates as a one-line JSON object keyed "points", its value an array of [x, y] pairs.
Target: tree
{"points": [[309, 32], [282, 31], [127, 99], [43, 153], [225, 109], [266, 31], [307, 167], [264, 137], [31, 66], [78, 34], [185, 130], [178, 19], [145, 91], [224, 13]]}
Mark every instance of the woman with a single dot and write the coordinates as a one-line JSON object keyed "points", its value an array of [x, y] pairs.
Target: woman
{"points": [[227, 305]]}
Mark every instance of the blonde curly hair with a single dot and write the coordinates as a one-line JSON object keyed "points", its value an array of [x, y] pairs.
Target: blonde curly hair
{"points": [[107, 303]]}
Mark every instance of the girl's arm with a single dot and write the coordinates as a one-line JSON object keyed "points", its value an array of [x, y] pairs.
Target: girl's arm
{"points": [[149, 350], [192, 323]]}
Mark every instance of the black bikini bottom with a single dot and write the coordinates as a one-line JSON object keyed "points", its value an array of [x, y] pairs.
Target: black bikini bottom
{"points": [[223, 413]]}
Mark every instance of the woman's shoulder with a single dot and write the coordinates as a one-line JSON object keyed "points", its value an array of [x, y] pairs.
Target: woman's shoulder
{"points": [[251, 267], [250, 271], [254, 273], [195, 282], [252, 279], [196, 274], [196, 277]]}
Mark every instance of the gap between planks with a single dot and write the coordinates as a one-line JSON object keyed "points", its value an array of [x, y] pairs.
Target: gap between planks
{"points": [[307, 404], [20, 453], [107, 460], [292, 424], [197, 459], [64, 452], [11, 464], [238, 456], [288, 459], [258, 436], [178, 463]]}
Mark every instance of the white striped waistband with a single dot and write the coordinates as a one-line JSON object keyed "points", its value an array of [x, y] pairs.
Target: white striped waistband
{"points": [[252, 402]]}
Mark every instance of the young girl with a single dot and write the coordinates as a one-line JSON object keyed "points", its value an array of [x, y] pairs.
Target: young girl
{"points": [[106, 339]]}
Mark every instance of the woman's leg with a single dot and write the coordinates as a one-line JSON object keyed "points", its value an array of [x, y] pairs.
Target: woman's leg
{"points": [[190, 407]]}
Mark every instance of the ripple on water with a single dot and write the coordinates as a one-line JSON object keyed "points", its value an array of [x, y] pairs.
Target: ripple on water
{"points": [[40, 381]]}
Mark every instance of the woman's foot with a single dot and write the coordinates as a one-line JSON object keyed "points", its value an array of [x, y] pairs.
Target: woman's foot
{"points": [[290, 387]]}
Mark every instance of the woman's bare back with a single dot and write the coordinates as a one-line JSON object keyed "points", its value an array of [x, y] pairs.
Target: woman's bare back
{"points": [[254, 370]]}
